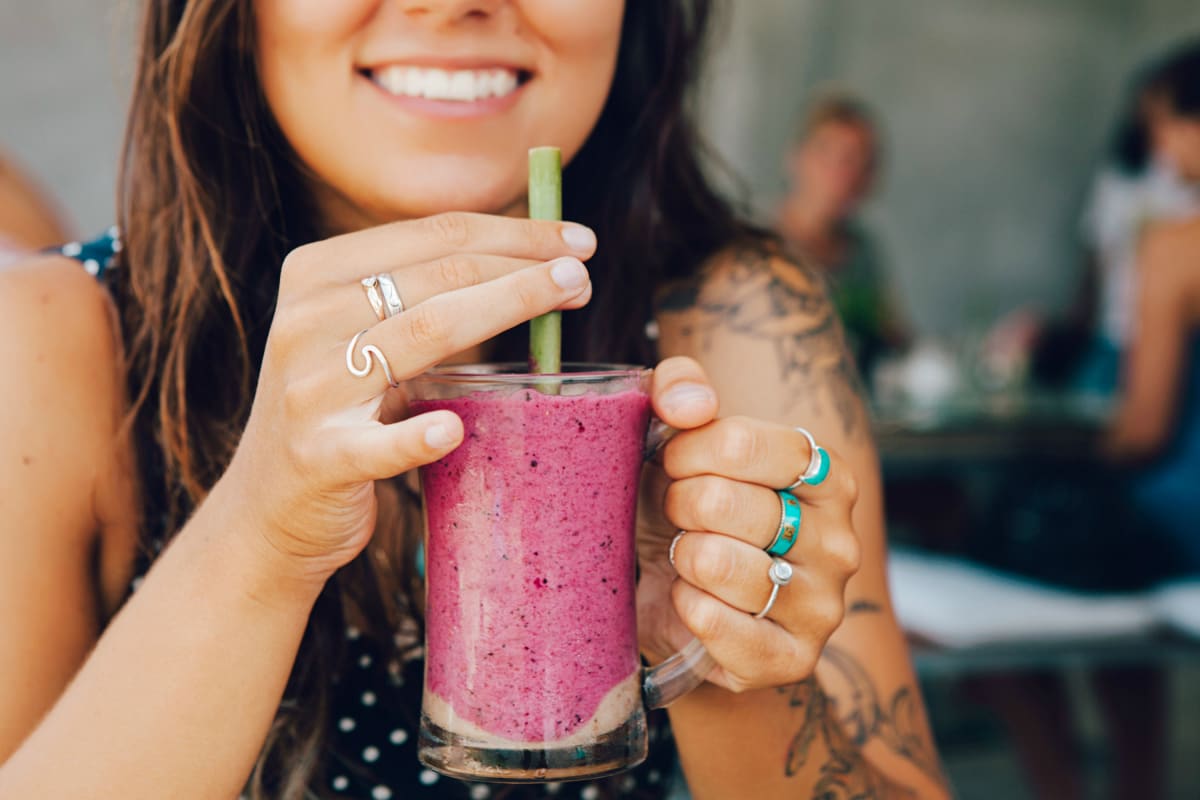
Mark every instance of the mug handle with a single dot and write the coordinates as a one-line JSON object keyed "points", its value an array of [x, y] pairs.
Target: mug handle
{"points": [[687, 669]]}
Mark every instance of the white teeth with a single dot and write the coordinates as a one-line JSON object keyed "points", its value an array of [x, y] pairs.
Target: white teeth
{"points": [[437, 85], [464, 86]]}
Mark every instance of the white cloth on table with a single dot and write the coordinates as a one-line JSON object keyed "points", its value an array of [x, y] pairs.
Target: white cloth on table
{"points": [[956, 603]]}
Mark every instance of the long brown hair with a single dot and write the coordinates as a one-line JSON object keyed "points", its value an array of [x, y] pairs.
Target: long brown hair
{"points": [[211, 200]]}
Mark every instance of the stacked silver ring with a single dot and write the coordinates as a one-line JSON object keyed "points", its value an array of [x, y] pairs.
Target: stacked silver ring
{"points": [[386, 303], [383, 295]]}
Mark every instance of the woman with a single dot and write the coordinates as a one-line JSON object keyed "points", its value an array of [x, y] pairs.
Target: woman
{"points": [[832, 168], [332, 139], [1140, 187]]}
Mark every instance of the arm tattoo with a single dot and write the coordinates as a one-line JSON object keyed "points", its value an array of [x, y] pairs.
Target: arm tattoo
{"points": [[761, 295], [845, 774], [863, 607], [844, 732]]}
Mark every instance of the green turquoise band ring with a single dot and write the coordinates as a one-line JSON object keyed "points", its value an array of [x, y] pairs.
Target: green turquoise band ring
{"points": [[789, 525], [822, 471], [818, 464]]}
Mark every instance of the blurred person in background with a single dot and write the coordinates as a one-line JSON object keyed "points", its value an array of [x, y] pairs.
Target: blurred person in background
{"points": [[28, 221], [1157, 425], [1139, 186], [832, 167], [1140, 314]]}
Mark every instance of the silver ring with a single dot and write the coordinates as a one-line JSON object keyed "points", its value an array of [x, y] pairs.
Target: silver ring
{"points": [[814, 461], [780, 574], [370, 354], [671, 549], [391, 295], [370, 285]]}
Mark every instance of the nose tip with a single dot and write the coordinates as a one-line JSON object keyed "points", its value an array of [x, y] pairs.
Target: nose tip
{"points": [[449, 9]]}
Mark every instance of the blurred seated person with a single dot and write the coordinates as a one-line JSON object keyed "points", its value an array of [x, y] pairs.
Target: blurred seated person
{"points": [[1140, 185], [1158, 421], [831, 169], [28, 222], [1146, 233]]}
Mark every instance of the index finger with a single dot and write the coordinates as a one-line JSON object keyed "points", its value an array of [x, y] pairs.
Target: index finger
{"points": [[352, 256], [747, 450]]}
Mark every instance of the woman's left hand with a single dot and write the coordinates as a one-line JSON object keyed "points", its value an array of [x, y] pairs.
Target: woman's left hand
{"points": [[717, 480]]}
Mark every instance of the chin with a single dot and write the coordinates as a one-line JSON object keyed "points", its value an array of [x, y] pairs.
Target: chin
{"points": [[423, 192]]}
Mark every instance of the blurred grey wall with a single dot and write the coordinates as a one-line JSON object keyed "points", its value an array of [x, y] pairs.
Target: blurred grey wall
{"points": [[996, 113], [64, 83]]}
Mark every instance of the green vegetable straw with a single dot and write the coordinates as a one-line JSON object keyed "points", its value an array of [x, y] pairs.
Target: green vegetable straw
{"points": [[545, 202]]}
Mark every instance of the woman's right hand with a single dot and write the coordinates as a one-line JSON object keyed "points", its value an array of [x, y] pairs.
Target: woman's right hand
{"points": [[318, 437]]}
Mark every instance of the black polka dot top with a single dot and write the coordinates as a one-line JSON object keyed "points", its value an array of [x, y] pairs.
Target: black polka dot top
{"points": [[376, 707]]}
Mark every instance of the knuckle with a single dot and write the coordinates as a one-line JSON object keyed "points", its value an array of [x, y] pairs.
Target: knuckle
{"points": [[702, 618], [708, 563], [298, 262], [716, 503], [451, 228], [827, 614], [426, 327], [530, 298], [673, 462], [298, 398], [458, 272], [677, 506], [848, 485], [537, 235], [290, 326], [802, 661], [845, 550], [739, 447], [736, 682]]}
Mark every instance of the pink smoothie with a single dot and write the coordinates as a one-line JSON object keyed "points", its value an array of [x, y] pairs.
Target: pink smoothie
{"points": [[530, 564]]}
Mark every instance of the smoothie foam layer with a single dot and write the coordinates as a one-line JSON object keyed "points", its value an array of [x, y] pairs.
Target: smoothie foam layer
{"points": [[614, 710], [530, 568]]}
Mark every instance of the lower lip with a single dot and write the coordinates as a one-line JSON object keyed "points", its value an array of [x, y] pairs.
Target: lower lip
{"points": [[450, 109]]}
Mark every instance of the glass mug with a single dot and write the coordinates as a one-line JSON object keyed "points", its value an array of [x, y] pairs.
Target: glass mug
{"points": [[532, 670]]}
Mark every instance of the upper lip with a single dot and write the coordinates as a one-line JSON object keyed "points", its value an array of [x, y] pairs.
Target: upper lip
{"points": [[449, 63]]}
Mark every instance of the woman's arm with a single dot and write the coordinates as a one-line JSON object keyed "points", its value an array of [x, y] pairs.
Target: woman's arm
{"points": [[767, 336], [208, 636], [178, 694], [53, 436], [1168, 285]]}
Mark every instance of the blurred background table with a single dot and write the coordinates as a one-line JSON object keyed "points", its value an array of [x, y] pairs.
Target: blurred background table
{"points": [[971, 429]]}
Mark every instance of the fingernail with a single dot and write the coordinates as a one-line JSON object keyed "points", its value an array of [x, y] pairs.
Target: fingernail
{"points": [[438, 436], [687, 394], [579, 238], [568, 273]]}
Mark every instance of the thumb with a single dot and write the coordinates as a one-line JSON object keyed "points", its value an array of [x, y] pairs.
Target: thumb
{"points": [[682, 395]]}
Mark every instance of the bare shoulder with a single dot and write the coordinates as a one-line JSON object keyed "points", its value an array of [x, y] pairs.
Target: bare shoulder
{"points": [[764, 321], [58, 351], [62, 558], [1169, 265]]}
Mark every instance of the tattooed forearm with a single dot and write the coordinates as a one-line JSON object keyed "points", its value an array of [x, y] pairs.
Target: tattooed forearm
{"points": [[866, 716], [839, 724], [761, 295], [844, 775]]}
